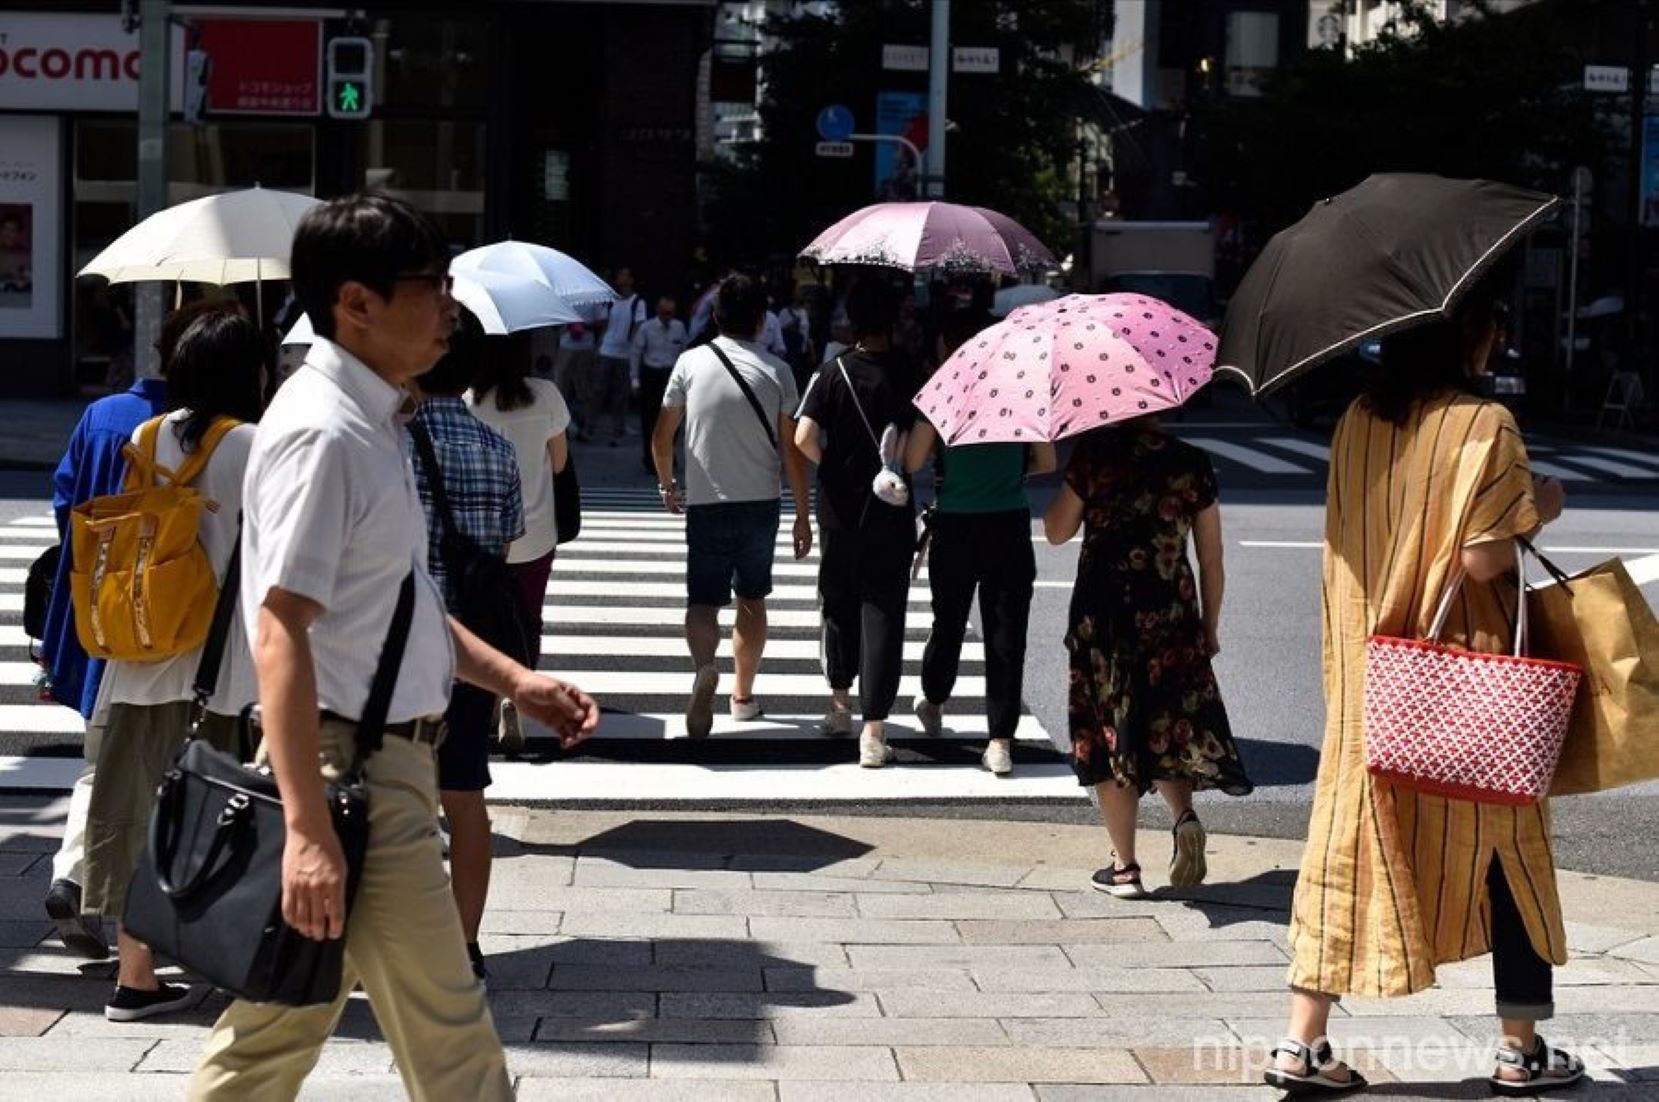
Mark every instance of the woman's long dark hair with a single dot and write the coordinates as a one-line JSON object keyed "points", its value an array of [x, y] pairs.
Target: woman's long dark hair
{"points": [[1420, 363], [215, 373], [504, 368]]}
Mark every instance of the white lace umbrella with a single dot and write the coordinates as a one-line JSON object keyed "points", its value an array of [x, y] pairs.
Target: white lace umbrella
{"points": [[504, 304], [572, 280], [235, 237]]}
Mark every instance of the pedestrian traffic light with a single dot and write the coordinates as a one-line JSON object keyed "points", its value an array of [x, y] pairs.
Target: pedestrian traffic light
{"points": [[350, 78]]}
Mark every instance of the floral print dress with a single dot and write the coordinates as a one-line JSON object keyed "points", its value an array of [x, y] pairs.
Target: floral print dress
{"points": [[1144, 703]]}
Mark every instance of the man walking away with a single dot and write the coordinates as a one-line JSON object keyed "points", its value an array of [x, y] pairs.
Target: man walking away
{"points": [[333, 531], [737, 404], [657, 344], [481, 481], [616, 350]]}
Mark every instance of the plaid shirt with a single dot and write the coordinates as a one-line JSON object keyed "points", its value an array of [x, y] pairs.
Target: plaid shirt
{"points": [[480, 476]]}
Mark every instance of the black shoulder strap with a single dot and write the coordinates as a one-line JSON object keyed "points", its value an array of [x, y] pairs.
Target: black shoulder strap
{"points": [[373, 720], [434, 475], [213, 651], [743, 385]]}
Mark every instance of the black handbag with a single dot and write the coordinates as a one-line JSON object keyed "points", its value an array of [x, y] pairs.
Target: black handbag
{"points": [[567, 502], [207, 892], [37, 594], [486, 595]]}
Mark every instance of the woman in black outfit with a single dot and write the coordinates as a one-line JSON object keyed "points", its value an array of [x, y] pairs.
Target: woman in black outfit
{"points": [[864, 574]]}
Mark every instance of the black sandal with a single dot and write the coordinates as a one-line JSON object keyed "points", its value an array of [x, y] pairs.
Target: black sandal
{"points": [[1121, 883], [1315, 1079], [1546, 1068]]}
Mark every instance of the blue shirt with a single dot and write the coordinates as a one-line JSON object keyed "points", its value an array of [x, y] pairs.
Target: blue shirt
{"points": [[481, 480], [92, 466]]}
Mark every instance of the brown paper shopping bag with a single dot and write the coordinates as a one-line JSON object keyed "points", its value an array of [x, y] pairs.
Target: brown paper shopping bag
{"points": [[1600, 621]]}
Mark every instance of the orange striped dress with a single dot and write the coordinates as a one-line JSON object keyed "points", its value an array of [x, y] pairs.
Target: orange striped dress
{"points": [[1392, 882]]}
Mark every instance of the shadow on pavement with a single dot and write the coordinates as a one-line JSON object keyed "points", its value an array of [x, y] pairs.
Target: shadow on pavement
{"points": [[762, 845]]}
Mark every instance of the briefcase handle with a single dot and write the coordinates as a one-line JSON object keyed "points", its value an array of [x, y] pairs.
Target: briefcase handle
{"points": [[233, 817]]}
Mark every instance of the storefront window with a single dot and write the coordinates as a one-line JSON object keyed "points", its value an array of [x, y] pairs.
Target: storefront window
{"points": [[433, 63], [439, 167]]}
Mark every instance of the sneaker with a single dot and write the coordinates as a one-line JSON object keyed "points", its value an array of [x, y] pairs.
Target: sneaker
{"points": [[509, 729], [82, 934], [699, 713], [998, 757], [131, 1004], [746, 710], [1187, 867], [931, 715], [1124, 883], [476, 956], [873, 751], [838, 721]]}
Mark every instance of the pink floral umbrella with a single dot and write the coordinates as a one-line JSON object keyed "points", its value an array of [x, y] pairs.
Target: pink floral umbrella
{"points": [[915, 236], [1059, 368]]}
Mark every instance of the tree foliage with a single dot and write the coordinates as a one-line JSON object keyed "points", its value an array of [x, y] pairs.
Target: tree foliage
{"points": [[1014, 133], [1493, 96]]}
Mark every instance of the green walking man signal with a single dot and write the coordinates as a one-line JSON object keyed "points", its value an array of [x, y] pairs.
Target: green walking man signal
{"points": [[350, 78]]}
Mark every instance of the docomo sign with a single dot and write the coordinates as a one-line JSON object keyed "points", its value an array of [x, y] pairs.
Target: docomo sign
{"points": [[76, 62]]}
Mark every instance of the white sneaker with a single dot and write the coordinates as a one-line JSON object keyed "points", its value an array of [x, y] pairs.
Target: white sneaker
{"points": [[745, 710], [998, 757], [838, 721], [873, 751], [699, 712], [931, 715]]}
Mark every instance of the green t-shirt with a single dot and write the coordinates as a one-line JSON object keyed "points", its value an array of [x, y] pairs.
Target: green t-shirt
{"points": [[983, 478]]}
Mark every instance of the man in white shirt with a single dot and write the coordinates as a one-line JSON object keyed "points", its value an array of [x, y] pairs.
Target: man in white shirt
{"points": [[657, 344], [738, 406], [612, 382], [332, 532]]}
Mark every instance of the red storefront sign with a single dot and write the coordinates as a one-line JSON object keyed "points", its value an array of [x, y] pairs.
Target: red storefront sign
{"points": [[263, 66]]}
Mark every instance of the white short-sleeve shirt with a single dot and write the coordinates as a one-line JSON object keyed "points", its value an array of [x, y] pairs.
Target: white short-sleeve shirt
{"points": [[528, 429], [330, 513]]}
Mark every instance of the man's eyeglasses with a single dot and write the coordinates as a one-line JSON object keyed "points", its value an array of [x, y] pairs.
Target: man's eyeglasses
{"points": [[438, 281]]}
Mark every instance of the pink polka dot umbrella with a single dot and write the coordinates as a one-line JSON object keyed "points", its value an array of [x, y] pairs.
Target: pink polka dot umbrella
{"points": [[1059, 368]]}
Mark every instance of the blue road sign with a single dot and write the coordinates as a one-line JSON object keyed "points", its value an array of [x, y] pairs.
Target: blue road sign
{"points": [[835, 123]]}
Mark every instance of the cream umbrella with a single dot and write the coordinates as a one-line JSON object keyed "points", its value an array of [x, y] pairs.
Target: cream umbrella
{"points": [[234, 237]]}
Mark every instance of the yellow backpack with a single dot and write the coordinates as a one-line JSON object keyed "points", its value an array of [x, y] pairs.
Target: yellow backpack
{"points": [[141, 582]]}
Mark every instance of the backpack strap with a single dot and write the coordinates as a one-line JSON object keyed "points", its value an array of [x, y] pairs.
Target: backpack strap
{"points": [[141, 456], [196, 461]]}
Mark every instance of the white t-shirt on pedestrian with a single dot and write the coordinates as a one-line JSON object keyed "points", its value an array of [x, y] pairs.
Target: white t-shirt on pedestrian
{"points": [[729, 455], [627, 314], [170, 680], [529, 428]]}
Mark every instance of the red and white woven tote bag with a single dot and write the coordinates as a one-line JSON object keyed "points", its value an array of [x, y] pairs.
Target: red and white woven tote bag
{"points": [[1481, 727]]}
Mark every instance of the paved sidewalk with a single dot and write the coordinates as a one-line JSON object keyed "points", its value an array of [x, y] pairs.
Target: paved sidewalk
{"points": [[813, 958]]}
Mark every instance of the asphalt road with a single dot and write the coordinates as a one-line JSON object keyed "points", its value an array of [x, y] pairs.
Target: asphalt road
{"points": [[1270, 662]]}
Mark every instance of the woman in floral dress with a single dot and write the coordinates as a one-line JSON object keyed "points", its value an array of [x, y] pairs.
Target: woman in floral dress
{"points": [[1145, 708]]}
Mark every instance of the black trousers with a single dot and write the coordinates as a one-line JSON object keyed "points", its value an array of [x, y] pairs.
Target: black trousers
{"points": [[652, 382], [1524, 981], [863, 588], [990, 552]]}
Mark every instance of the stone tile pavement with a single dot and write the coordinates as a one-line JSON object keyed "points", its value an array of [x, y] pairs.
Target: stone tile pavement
{"points": [[811, 959]]}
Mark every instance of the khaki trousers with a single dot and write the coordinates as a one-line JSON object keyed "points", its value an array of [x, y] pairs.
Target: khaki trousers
{"points": [[403, 942]]}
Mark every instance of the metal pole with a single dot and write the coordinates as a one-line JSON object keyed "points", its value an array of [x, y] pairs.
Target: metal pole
{"points": [[938, 73], [1572, 281], [1633, 359], [897, 139], [154, 84]]}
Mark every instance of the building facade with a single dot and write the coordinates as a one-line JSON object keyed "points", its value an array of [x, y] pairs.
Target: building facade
{"points": [[571, 124]]}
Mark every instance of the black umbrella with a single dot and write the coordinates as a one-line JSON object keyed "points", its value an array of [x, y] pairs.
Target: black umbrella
{"points": [[1396, 251]]}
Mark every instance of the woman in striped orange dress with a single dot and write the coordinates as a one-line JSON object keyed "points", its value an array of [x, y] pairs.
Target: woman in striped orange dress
{"points": [[1425, 479]]}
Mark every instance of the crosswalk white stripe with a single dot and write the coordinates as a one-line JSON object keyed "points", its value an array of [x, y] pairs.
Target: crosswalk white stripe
{"points": [[667, 617], [18, 673], [1644, 570], [1555, 470], [621, 590], [37, 522], [40, 537], [1300, 447], [668, 726], [20, 552], [1610, 466], [11, 602], [1249, 457], [13, 575], [573, 564], [40, 719], [673, 646], [1625, 453], [604, 683]]}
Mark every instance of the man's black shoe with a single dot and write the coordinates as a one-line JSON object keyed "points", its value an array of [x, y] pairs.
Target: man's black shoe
{"points": [[132, 1004], [82, 934], [476, 955]]}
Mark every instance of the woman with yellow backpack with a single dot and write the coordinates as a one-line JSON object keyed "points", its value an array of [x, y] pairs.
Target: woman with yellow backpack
{"points": [[145, 596]]}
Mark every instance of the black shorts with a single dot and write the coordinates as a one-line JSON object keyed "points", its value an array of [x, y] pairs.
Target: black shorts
{"points": [[464, 755]]}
